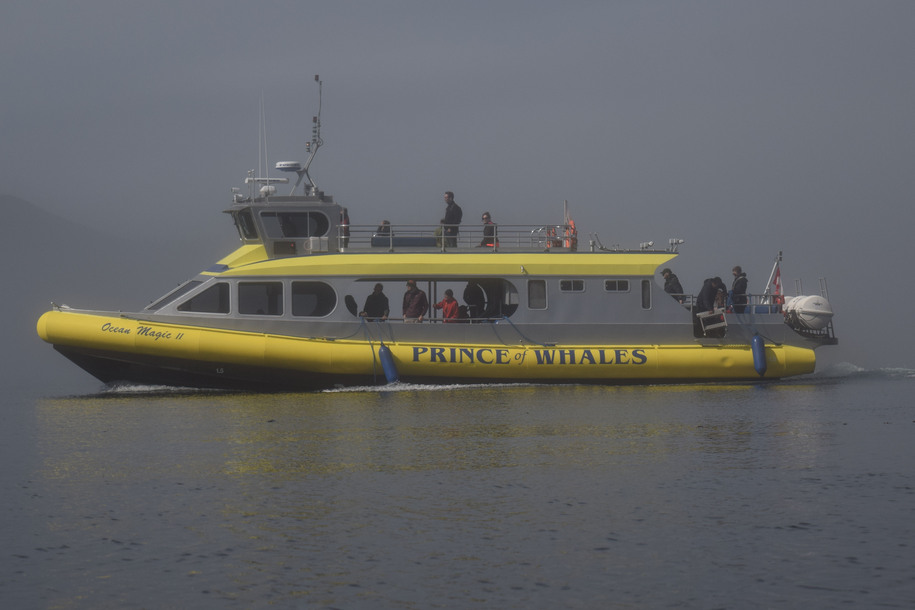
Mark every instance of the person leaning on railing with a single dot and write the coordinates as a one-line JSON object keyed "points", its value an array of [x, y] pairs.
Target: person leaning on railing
{"points": [[415, 303], [449, 307], [376, 305]]}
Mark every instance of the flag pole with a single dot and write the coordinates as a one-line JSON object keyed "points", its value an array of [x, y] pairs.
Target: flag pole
{"points": [[775, 279]]}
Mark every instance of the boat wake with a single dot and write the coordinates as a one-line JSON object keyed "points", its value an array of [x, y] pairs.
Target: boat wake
{"points": [[847, 370], [128, 389], [422, 387]]}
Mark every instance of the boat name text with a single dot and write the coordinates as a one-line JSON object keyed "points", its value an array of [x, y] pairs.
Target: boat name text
{"points": [[142, 331], [108, 327], [146, 331], [466, 355]]}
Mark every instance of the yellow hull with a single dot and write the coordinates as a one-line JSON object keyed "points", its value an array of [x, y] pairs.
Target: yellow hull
{"points": [[214, 351]]}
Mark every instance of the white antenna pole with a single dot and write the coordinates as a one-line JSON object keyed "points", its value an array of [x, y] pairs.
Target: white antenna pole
{"points": [[316, 140], [264, 136], [260, 135]]}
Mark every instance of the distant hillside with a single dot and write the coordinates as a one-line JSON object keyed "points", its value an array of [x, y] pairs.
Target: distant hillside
{"points": [[50, 258]]}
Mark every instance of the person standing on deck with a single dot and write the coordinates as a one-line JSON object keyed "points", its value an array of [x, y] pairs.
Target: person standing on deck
{"points": [[415, 303], [453, 216], [376, 305], [449, 307], [739, 290], [672, 284]]}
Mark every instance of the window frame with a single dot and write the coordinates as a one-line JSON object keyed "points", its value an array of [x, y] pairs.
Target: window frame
{"points": [[618, 290], [225, 299], [543, 295], [313, 219], [273, 300], [572, 285], [327, 309]]}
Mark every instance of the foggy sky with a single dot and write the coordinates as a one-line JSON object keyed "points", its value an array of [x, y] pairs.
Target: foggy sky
{"points": [[744, 128]]}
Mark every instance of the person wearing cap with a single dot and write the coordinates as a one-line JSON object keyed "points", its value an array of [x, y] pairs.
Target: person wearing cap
{"points": [[449, 307], [415, 303], [489, 231], [672, 284]]}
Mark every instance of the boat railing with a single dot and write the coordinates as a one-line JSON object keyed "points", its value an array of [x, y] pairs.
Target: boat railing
{"points": [[756, 303], [404, 237]]}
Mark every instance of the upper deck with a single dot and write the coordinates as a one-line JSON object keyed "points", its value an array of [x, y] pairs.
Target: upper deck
{"points": [[300, 225], [307, 221]]}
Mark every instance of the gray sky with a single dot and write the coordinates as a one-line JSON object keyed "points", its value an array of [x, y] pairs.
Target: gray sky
{"points": [[744, 128]]}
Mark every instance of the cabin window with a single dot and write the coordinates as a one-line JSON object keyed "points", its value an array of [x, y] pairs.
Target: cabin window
{"points": [[214, 299], [509, 299], [616, 285], [260, 298], [295, 224], [314, 299], [536, 294], [484, 298], [646, 294], [174, 294], [245, 223], [284, 248], [571, 285]]}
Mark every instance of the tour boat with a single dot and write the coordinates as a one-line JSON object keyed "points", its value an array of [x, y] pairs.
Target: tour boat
{"points": [[537, 304]]}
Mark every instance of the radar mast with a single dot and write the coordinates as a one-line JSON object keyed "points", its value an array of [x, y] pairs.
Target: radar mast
{"points": [[311, 147]]}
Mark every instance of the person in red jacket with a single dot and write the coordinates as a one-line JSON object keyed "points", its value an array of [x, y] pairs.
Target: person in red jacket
{"points": [[449, 307]]}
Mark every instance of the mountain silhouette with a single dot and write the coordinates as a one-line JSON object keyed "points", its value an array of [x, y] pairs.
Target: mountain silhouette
{"points": [[51, 258]]}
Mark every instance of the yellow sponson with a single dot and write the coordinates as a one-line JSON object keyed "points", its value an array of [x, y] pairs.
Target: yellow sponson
{"points": [[417, 360]]}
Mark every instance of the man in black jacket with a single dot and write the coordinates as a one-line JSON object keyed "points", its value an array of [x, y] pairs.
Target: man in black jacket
{"points": [[453, 216], [739, 290], [672, 284], [376, 305]]}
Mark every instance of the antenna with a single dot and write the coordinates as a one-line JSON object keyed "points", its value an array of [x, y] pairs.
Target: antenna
{"points": [[267, 189], [311, 147]]}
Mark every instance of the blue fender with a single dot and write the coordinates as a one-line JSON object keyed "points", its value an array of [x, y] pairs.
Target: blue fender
{"points": [[387, 363], [758, 346]]}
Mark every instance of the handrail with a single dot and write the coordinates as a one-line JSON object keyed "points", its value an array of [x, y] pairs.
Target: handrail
{"points": [[412, 236], [756, 303]]}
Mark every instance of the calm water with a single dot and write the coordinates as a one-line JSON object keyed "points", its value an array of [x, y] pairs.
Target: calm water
{"points": [[789, 495]]}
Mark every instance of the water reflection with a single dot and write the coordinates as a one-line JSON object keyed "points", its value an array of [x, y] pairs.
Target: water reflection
{"points": [[295, 435], [554, 495]]}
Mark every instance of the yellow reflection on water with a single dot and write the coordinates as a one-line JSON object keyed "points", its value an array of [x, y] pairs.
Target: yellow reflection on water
{"points": [[298, 478], [296, 435]]}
